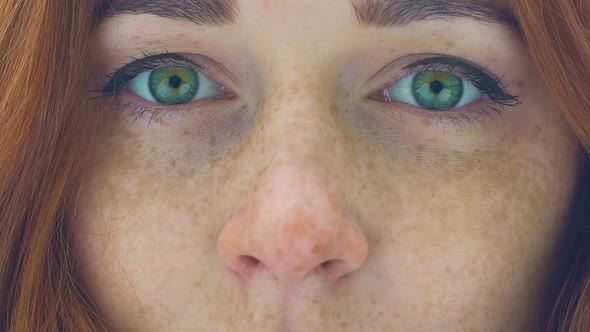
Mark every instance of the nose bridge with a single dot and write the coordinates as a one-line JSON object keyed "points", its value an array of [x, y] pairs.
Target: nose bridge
{"points": [[298, 199], [296, 219], [297, 118], [298, 88]]}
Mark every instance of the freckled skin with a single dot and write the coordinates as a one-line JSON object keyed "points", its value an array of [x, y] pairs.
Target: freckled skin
{"points": [[302, 206]]}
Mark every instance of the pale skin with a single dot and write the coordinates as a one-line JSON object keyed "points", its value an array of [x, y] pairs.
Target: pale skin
{"points": [[301, 204]]}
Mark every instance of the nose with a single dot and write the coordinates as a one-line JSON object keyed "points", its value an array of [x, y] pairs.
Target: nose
{"points": [[294, 226]]}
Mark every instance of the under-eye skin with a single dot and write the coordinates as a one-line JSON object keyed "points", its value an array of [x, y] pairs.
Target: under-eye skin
{"points": [[162, 84], [447, 87]]}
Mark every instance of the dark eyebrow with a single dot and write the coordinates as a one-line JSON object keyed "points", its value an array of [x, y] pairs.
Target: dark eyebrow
{"points": [[202, 12], [390, 13]]}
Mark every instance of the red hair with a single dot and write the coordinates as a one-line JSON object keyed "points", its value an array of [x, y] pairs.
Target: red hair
{"points": [[43, 47], [558, 36]]}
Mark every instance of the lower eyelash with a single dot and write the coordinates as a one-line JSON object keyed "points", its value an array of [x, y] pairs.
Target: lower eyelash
{"points": [[140, 112], [465, 120], [469, 119]]}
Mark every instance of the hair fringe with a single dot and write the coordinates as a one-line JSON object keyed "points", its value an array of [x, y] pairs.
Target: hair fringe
{"points": [[45, 44], [558, 36]]}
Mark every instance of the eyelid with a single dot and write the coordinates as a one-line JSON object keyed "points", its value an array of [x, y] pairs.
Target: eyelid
{"points": [[402, 92], [141, 110], [119, 77], [489, 84]]}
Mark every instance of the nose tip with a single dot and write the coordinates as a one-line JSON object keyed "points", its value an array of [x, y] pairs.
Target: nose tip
{"points": [[294, 248]]}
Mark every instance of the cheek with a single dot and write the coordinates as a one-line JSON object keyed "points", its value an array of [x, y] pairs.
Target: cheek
{"points": [[146, 221], [149, 252], [453, 234], [473, 228]]}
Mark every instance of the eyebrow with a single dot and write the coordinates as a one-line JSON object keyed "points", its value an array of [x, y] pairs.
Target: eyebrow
{"points": [[375, 13], [201, 12], [392, 13]]}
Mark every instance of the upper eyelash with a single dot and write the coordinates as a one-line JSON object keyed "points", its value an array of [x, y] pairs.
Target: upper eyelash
{"points": [[115, 82], [488, 84]]}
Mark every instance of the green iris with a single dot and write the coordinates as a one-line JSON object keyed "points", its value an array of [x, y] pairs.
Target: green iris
{"points": [[437, 90], [173, 85]]}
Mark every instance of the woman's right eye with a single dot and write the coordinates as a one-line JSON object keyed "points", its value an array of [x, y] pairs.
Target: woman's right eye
{"points": [[173, 85]]}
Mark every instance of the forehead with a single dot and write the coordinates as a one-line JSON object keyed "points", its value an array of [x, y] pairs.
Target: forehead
{"points": [[377, 13]]}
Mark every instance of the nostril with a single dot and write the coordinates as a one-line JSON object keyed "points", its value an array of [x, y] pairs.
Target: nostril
{"points": [[246, 265], [331, 265], [248, 262], [327, 264]]}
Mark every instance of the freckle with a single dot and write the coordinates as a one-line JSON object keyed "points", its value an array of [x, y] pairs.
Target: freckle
{"points": [[151, 43], [316, 249], [491, 59], [427, 308], [333, 109], [280, 254], [197, 284], [293, 88], [180, 35], [269, 316], [297, 229], [520, 83], [370, 165], [450, 44], [212, 140], [448, 269], [186, 133]]}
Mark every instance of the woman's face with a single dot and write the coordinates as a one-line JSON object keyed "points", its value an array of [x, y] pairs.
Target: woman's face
{"points": [[309, 165]]}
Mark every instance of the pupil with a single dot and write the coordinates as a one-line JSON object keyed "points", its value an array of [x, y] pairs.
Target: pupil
{"points": [[175, 82], [436, 86]]}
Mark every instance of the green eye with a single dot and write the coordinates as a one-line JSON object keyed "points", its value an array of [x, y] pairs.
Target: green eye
{"points": [[434, 90], [173, 85]]}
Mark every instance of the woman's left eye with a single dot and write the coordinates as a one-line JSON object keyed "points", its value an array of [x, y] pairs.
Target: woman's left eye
{"points": [[433, 90], [173, 85]]}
